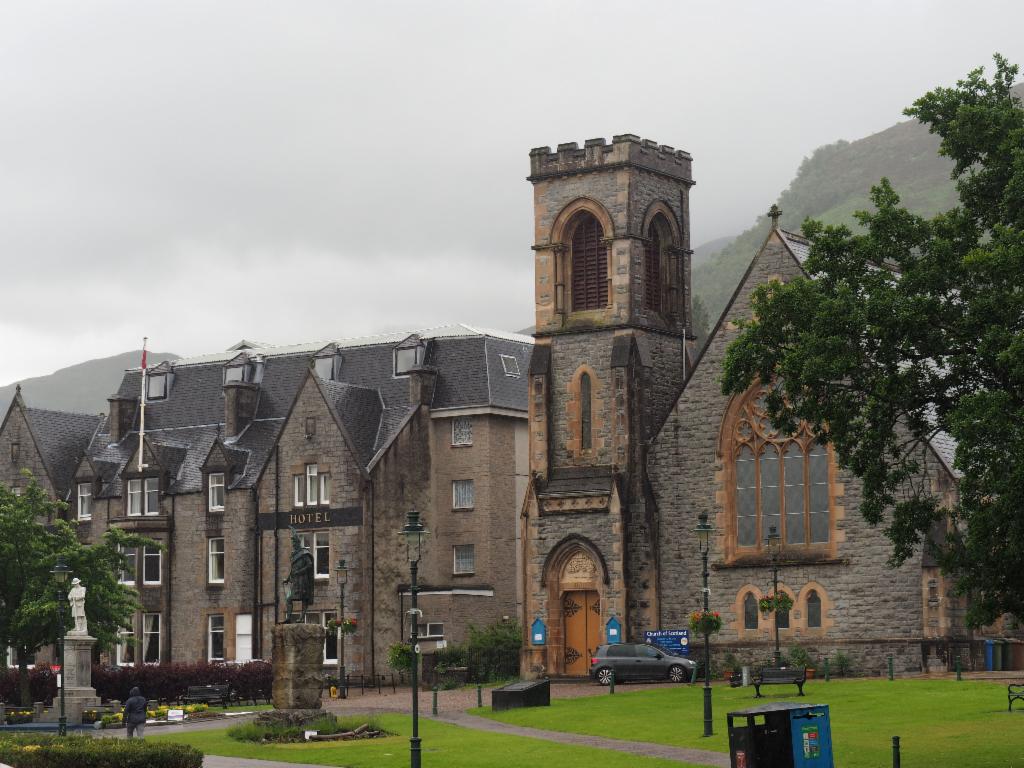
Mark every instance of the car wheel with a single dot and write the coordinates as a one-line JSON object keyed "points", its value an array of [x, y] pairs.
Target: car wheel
{"points": [[604, 676], [676, 673]]}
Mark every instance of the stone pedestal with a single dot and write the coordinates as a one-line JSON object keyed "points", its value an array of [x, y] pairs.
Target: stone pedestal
{"points": [[298, 659], [76, 677]]}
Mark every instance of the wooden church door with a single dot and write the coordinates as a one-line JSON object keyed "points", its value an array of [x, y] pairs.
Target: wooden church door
{"points": [[581, 612]]}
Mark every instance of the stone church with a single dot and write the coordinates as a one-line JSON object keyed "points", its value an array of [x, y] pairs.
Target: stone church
{"points": [[631, 439]]}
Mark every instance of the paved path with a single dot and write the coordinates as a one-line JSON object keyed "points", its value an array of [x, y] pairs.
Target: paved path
{"points": [[647, 749]]}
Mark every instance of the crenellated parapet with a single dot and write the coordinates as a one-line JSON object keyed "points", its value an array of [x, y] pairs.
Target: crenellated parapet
{"points": [[625, 150]]}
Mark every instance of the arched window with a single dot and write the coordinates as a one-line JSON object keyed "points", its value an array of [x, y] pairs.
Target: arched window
{"points": [[589, 264], [750, 611], [780, 480], [783, 619], [585, 406], [652, 266], [813, 610]]}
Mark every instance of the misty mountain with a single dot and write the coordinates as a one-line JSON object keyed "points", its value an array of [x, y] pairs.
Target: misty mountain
{"points": [[81, 388], [831, 185]]}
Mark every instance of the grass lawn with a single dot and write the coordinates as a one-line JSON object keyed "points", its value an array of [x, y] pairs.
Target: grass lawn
{"points": [[443, 745], [939, 722]]}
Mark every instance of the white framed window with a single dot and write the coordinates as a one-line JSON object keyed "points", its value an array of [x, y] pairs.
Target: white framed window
{"points": [[156, 387], [135, 497], [85, 501], [125, 647], [312, 485], [462, 430], [215, 637], [151, 638], [215, 557], [127, 574], [216, 487], [510, 366], [330, 640], [152, 487], [299, 486], [465, 558], [430, 630], [319, 544], [325, 488], [462, 494], [151, 565], [243, 637]]}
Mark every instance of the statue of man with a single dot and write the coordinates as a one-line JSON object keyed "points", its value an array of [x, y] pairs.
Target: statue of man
{"points": [[76, 596], [300, 578]]}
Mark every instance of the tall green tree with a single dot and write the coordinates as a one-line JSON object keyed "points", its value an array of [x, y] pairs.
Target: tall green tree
{"points": [[912, 328], [32, 537]]}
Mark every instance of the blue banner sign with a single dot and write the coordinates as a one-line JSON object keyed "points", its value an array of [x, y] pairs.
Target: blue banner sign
{"points": [[674, 641]]}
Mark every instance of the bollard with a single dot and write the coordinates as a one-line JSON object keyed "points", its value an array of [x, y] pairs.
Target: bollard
{"points": [[827, 676], [611, 683], [890, 667], [479, 695], [895, 752], [433, 707], [958, 668]]}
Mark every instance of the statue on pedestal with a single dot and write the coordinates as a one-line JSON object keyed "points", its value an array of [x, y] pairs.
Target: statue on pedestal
{"points": [[76, 596], [299, 581]]}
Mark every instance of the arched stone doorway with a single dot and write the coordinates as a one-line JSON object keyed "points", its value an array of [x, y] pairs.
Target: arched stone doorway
{"points": [[575, 608]]}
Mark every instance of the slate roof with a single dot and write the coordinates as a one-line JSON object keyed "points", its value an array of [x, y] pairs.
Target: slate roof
{"points": [[366, 397], [798, 245], [62, 439]]}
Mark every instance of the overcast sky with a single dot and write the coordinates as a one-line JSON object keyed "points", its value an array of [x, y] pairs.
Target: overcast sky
{"points": [[200, 172]]}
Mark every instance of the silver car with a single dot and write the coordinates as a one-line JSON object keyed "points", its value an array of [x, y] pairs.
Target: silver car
{"points": [[638, 661]]}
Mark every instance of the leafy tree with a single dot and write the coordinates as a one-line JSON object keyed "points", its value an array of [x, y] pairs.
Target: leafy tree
{"points": [[913, 327], [29, 548]]}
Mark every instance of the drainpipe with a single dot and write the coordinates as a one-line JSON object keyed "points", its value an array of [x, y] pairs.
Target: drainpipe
{"points": [[277, 549], [170, 579], [257, 624]]}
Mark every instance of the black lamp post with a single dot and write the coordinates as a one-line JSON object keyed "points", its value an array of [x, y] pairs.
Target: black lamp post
{"points": [[414, 533], [342, 570], [703, 531], [774, 542], [60, 572]]}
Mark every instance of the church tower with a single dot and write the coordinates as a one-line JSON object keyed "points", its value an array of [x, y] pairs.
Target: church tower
{"points": [[612, 294]]}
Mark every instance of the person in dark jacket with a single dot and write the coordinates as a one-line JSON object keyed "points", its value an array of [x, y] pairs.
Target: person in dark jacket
{"points": [[135, 713]]}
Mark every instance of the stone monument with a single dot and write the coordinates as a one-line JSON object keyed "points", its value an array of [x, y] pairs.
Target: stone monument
{"points": [[298, 649], [76, 676]]}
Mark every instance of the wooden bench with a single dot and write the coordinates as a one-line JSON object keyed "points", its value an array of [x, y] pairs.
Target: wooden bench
{"points": [[779, 676], [209, 694], [1014, 692]]}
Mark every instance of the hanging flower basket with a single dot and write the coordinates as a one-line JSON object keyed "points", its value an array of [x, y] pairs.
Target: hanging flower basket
{"points": [[705, 622], [780, 602], [347, 626]]}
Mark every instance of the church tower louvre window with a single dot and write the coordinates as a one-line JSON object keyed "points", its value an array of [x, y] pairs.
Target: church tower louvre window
{"points": [[589, 264], [777, 480], [653, 264]]}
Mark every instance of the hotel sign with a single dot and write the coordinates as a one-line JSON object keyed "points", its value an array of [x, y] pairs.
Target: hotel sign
{"points": [[301, 519]]}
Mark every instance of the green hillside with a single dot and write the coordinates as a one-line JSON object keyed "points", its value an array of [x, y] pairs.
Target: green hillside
{"points": [[830, 185], [81, 388]]}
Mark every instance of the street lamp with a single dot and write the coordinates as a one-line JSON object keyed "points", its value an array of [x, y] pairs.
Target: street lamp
{"points": [[60, 572], [414, 533], [342, 570], [703, 531], [774, 542]]}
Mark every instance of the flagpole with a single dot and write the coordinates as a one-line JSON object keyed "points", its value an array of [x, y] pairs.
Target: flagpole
{"points": [[142, 401]]}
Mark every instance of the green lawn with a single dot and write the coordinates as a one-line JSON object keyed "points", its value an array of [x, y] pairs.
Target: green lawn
{"points": [[443, 745], [939, 722]]}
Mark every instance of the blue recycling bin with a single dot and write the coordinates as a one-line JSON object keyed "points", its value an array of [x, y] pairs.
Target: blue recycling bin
{"points": [[989, 661], [781, 735]]}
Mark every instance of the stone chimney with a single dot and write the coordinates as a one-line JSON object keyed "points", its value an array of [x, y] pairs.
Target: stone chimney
{"points": [[240, 398], [122, 414], [421, 385]]}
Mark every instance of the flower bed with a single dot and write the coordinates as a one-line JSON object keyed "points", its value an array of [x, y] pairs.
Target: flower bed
{"points": [[116, 719], [327, 727], [47, 751]]}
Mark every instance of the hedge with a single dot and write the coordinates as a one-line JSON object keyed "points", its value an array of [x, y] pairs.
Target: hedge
{"points": [[42, 684], [170, 682], [42, 751]]}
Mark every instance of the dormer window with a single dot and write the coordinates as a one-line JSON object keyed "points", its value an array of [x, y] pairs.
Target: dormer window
{"points": [[143, 496], [327, 364], [85, 501], [156, 387], [235, 373], [216, 492], [408, 355]]}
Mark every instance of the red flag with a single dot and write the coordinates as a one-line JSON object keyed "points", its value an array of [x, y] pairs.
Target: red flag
{"points": [[143, 354]]}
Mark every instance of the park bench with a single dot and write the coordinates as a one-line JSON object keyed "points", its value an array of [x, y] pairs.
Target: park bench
{"points": [[208, 694], [779, 676], [1014, 692]]}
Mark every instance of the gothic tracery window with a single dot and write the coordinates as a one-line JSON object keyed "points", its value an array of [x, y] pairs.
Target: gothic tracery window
{"points": [[652, 265], [589, 264], [780, 480]]}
